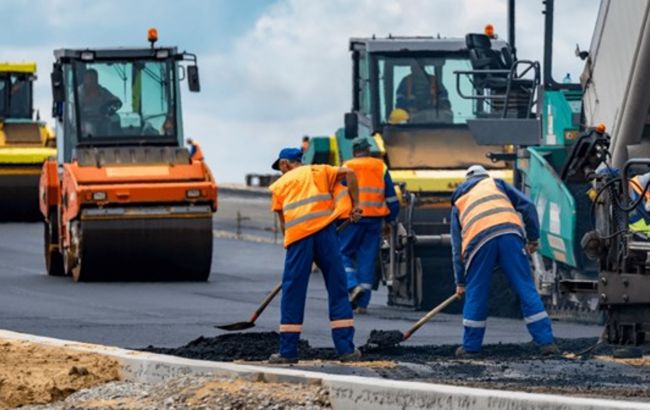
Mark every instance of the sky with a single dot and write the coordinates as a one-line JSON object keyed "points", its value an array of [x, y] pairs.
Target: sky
{"points": [[271, 71]]}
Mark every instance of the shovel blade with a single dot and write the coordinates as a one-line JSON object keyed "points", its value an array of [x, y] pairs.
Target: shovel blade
{"points": [[236, 326], [385, 338]]}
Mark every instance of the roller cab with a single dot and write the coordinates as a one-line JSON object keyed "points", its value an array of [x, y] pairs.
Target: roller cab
{"points": [[406, 100], [25, 143], [126, 198]]}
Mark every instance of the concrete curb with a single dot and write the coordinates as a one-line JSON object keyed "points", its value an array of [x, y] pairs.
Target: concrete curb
{"points": [[346, 392]]}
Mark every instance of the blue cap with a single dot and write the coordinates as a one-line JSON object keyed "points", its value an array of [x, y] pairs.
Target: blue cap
{"points": [[292, 154]]}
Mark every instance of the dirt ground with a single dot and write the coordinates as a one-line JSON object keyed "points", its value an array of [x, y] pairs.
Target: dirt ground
{"points": [[32, 374], [196, 393]]}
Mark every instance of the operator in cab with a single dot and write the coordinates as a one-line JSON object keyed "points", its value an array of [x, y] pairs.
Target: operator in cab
{"points": [[423, 97], [306, 199], [487, 231], [97, 104], [360, 241]]}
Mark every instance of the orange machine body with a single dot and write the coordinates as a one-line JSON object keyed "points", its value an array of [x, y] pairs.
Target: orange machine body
{"points": [[122, 185]]}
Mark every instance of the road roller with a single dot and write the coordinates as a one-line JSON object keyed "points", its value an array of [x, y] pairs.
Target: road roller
{"points": [[127, 197], [25, 143]]}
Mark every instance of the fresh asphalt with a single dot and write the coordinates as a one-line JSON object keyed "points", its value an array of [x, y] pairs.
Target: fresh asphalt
{"points": [[131, 314]]}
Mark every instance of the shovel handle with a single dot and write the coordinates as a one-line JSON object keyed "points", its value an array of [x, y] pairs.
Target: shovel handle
{"points": [[430, 314], [266, 301], [343, 225]]}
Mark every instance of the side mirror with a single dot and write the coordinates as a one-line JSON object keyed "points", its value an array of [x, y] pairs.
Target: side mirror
{"points": [[58, 92], [193, 78], [351, 125]]}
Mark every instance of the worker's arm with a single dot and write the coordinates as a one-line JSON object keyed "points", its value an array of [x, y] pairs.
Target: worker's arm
{"points": [[347, 175], [456, 250], [401, 97], [392, 202], [525, 207], [276, 206], [281, 219]]}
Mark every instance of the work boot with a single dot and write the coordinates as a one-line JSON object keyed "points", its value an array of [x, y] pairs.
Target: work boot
{"points": [[354, 356], [276, 358], [361, 310], [549, 349], [355, 294], [461, 353]]}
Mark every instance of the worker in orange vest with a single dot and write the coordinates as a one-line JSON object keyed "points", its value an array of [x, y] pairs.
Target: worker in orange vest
{"points": [[486, 231], [306, 199], [639, 217], [360, 242]]}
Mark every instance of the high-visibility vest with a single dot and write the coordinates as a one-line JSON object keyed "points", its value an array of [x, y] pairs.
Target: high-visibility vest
{"points": [[370, 177], [308, 203], [482, 207]]}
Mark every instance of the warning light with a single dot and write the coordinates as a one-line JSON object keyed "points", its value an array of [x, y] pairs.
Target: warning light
{"points": [[600, 128], [489, 30], [152, 35]]}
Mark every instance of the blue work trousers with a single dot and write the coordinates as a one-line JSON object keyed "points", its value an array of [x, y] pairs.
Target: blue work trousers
{"points": [[321, 247], [506, 251], [360, 246]]}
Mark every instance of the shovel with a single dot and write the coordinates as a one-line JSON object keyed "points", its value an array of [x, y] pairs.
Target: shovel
{"points": [[389, 338], [267, 300]]}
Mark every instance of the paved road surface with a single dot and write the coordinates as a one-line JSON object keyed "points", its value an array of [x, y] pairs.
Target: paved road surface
{"points": [[171, 314]]}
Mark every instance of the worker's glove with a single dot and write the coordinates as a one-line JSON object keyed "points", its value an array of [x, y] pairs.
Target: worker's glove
{"points": [[532, 246], [355, 215], [460, 290]]}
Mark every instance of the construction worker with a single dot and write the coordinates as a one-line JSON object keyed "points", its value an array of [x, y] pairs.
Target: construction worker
{"points": [[421, 91], [97, 105], [304, 146], [360, 241], [305, 199], [639, 219], [486, 231]]}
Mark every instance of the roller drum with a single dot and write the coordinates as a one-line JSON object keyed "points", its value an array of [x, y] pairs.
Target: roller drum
{"points": [[143, 246]]}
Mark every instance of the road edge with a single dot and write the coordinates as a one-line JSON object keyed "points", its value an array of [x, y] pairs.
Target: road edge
{"points": [[345, 391]]}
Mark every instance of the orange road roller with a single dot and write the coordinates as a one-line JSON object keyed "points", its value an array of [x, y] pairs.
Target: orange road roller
{"points": [[126, 198]]}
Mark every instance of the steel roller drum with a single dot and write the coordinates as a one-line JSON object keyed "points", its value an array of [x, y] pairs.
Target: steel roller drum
{"points": [[19, 198], [161, 243]]}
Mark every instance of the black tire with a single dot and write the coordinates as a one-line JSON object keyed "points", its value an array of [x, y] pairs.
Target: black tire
{"points": [[53, 257]]}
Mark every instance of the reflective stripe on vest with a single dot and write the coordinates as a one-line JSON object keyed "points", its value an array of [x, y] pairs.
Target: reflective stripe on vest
{"points": [[370, 176], [308, 205], [483, 207]]}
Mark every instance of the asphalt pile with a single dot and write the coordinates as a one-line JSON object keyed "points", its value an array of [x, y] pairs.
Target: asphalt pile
{"points": [[506, 366], [251, 346], [256, 346]]}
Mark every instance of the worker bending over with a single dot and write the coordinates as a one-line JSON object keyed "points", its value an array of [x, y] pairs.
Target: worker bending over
{"points": [[305, 199], [486, 231], [360, 241]]}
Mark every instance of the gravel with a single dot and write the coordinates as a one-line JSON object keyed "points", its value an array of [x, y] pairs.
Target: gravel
{"points": [[196, 393]]}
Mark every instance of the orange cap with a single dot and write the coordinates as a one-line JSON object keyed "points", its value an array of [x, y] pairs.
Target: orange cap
{"points": [[152, 35], [489, 30], [600, 128]]}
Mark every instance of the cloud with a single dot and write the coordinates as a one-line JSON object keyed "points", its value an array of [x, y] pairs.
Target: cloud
{"points": [[289, 75], [270, 71]]}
